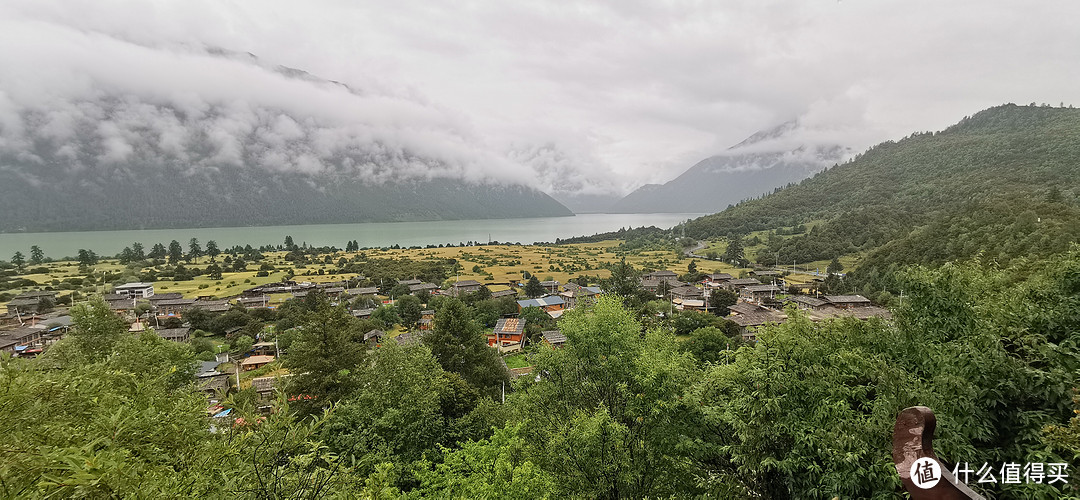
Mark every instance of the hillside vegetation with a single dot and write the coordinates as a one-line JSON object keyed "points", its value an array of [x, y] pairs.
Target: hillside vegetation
{"points": [[1002, 183]]}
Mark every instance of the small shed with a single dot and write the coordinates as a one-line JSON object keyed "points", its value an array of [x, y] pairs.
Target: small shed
{"points": [[255, 362]]}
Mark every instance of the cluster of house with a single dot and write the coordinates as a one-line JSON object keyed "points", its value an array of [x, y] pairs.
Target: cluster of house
{"points": [[509, 333], [33, 325], [759, 302]]}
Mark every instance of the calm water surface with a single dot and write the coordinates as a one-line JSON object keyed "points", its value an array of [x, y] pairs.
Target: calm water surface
{"points": [[56, 245]]}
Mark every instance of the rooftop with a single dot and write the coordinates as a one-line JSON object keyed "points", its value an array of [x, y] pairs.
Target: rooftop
{"points": [[510, 326], [762, 288], [553, 337], [256, 360], [133, 286], [550, 300], [847, 299]]}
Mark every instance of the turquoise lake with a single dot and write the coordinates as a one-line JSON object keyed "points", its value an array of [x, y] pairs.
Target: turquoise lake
{"points": [[525, 231]]}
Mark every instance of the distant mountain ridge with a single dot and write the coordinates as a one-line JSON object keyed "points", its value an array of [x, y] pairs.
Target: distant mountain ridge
{"points": [[744, 171], [128, 160]]}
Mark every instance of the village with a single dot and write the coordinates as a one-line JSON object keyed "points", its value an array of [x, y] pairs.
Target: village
{"points": [[750, 299]]}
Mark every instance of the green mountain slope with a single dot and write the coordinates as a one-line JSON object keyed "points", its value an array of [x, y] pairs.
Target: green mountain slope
{"points": [[1003, 183]]}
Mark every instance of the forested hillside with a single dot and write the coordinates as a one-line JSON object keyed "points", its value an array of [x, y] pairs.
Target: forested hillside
{"points": [[1003, 183]]}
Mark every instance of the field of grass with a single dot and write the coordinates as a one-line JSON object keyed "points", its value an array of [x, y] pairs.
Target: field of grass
{"points": [[497, 265], [516, 361]]}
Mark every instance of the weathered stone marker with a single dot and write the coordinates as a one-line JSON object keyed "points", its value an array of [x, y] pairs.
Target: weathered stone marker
{"points": [[924, 476]]}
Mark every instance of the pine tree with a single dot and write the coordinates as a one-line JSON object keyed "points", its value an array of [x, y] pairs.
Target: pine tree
{"points": [[36, 255], [533, 288], [460, 346], [734, 254], [176, 252]]}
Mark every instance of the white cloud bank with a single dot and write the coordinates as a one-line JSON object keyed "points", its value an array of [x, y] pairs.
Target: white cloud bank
{"points": [[577, 96]]}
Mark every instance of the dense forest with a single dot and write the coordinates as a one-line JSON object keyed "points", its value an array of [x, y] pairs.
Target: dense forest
{"points": [[624, 410]]}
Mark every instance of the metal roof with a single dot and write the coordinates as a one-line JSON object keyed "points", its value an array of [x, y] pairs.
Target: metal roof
{"points": [[550, 300]]}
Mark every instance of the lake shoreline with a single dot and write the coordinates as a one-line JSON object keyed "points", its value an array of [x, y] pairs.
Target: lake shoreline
{"points": [[523, 230]]}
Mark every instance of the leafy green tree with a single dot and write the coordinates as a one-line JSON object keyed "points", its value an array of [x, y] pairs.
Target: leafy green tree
{"points": [[734, 254], [213, 271], [176, 252], [408, 307], [137, 251], [125, 256], [95, 334], [212, 250], [486, 313], [957, 346], [499, 467], [36, 255], [833, 284], [684, 322], [18, 260], [484, 293], [835, 266], [720, 300], [533, 288], [148, 355], [393, 411], [536, 321], [87, 258], [608, 407], [460, 346], [158, 251], [242, 345], [201, 345], [399, 290], [625, 283], [199, 318], [94, 429], [325, 354], [713, 345], [386, 315]]}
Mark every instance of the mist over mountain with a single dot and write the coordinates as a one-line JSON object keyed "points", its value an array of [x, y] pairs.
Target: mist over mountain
{"points": [[1001, 184], [245, 143], [767, 160]]}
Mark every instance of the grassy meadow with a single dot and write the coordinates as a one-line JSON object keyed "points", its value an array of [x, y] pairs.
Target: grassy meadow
{"points": [[495, 265]]}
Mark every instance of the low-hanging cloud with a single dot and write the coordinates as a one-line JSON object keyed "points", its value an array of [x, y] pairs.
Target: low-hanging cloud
{"points": [[102, 100], [582, 95]]}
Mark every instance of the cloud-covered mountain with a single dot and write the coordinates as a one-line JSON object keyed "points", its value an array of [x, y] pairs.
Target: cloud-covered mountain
{"points": [[174, 137], [763, 162], [574, 178]]}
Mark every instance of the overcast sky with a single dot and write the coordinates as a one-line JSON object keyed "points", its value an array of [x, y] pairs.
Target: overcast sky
{"points": [[612, 94]]}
